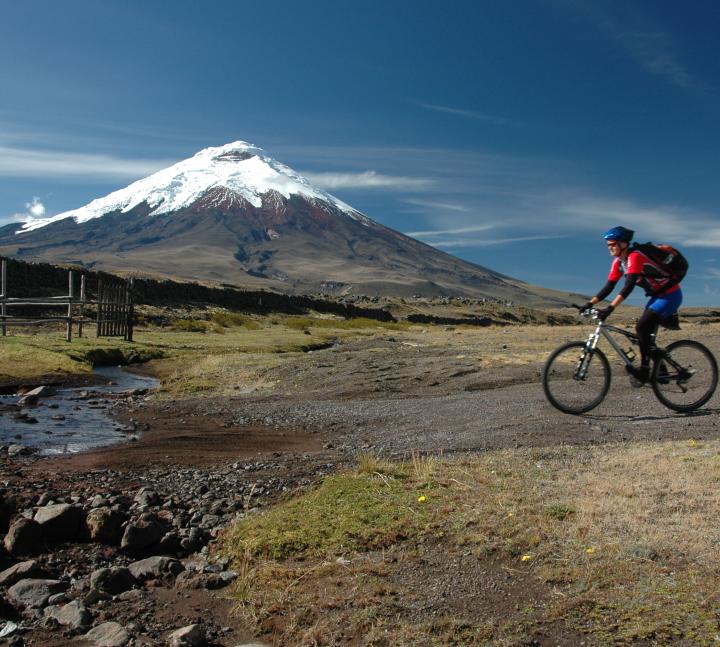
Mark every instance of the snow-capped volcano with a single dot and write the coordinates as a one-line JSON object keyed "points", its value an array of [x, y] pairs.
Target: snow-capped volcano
{"points": [[235, 171], [233, 215]]}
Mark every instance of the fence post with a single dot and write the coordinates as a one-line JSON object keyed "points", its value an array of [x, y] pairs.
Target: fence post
{"points": [[70, 306], [82, 305], [98, 317], [129, 305], [3, 295]]}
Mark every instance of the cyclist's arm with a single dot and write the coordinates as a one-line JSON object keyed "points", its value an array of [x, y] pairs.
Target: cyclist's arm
{"points": [[630, 283], [606, 289]]}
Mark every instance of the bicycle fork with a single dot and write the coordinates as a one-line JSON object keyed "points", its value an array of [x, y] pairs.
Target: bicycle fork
{"points": [[590, 346]]}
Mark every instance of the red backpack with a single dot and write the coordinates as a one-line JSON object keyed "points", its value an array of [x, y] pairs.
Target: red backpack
{"points": [[670, 261]]}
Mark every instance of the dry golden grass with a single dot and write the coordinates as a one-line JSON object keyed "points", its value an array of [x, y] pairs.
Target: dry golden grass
{"points": [[665, 497], [623, 537]]}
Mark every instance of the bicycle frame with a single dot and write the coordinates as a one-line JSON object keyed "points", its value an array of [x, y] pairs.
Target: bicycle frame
{"points": [[604, 330]]}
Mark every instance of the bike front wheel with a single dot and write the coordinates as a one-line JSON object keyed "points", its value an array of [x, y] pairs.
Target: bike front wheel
{"points": [[686, 377], [575, 379]]}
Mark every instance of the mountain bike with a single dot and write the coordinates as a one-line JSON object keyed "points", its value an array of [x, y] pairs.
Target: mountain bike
{"points": [[576, 377]]}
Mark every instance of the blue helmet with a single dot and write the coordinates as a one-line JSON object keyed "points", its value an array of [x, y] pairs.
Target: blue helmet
{"points": [[619, 233]]}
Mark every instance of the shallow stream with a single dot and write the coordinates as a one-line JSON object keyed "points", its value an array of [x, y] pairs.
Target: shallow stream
{"points": [[74, 419]]}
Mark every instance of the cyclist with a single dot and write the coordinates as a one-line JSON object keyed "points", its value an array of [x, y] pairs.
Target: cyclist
{"points": [[665, 294]]}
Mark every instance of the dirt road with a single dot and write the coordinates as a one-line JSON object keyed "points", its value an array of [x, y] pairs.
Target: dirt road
{"points": [[381, 397]]}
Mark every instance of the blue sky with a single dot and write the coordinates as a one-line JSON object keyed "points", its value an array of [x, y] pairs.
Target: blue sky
{"points": [[509, 134]]}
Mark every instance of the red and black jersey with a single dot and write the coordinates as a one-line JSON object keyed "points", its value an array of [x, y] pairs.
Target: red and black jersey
{"points": [[653, 280]]}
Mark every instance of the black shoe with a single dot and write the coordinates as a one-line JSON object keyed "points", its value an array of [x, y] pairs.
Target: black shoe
{"points": [[671, 323], [663, 377], [640, 373]]}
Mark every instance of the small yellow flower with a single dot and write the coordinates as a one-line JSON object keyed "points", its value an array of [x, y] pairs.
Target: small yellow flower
{"points": [[692, 443], [590, 550], [526, 558], [422, 498], [510, 514]]}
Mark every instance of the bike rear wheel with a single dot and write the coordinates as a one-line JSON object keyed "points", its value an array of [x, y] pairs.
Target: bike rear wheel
{"points": [[686, 377], [575, 379]]}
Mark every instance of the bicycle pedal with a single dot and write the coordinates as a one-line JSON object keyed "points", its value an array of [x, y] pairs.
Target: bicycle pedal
{"points": [[635, 383]]}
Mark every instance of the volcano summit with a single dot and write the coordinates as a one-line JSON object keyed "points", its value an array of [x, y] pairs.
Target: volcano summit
{"points": [[233, 215]]}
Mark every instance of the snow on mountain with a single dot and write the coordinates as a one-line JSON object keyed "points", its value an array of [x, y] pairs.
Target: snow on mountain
{"points": [[239, 168]]}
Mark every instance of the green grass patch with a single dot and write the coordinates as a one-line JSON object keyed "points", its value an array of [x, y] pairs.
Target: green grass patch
{"points": [[343, 514], [357, 323], [27, 359]]}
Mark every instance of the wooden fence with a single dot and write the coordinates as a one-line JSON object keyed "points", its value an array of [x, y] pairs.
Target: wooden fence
{"points": [[115, 308]]}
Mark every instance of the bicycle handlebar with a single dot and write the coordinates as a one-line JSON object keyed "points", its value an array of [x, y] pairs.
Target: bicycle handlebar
{"points": [[590, 312]]}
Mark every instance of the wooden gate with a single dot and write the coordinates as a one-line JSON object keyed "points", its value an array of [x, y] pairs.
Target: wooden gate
{"points": [[115, 310]]}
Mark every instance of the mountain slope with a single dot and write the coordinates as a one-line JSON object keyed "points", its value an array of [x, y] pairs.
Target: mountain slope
{"points": [[233, 215]]}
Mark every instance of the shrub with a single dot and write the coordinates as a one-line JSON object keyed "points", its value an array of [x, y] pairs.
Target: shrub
{"points": [[190, 325]]}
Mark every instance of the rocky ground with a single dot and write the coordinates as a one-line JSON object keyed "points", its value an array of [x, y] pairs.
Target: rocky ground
{"points": [[110, 547]]}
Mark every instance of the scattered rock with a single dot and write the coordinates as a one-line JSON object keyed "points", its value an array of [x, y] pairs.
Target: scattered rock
{"points": [[156, 567], [142, 534], [34, 594], [105, 525], [190, 636], [21, 571], [23, 537], [112, 580], [108, 634], [22, 450], [32, 397], [146, 496], [73, 615], [61, 522]]}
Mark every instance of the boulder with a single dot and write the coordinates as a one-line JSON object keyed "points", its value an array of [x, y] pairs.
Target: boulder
{"points": [[23, 537], [154, 568], [105, 525], [61, 522], [32, 397], [73, 615], [108, 634], [112, 580], [190, 636], [21, 571], [145, 532], [34, 594]]}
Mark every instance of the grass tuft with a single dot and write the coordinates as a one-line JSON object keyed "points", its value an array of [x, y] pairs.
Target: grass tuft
{"points": [[235, 320], [344, 514], [190, 325]]}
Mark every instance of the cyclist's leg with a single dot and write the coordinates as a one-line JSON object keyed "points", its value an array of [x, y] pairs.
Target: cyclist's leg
{"points": [[646, 328], [658, 310], [667, 306]]}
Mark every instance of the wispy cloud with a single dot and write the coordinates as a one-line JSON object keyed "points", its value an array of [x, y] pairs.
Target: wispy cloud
{"points": [[445, 232], [444, 206], [638, 36], [670, 224], [487, 242], [366, 180], [21, 162], [470, 114]]}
